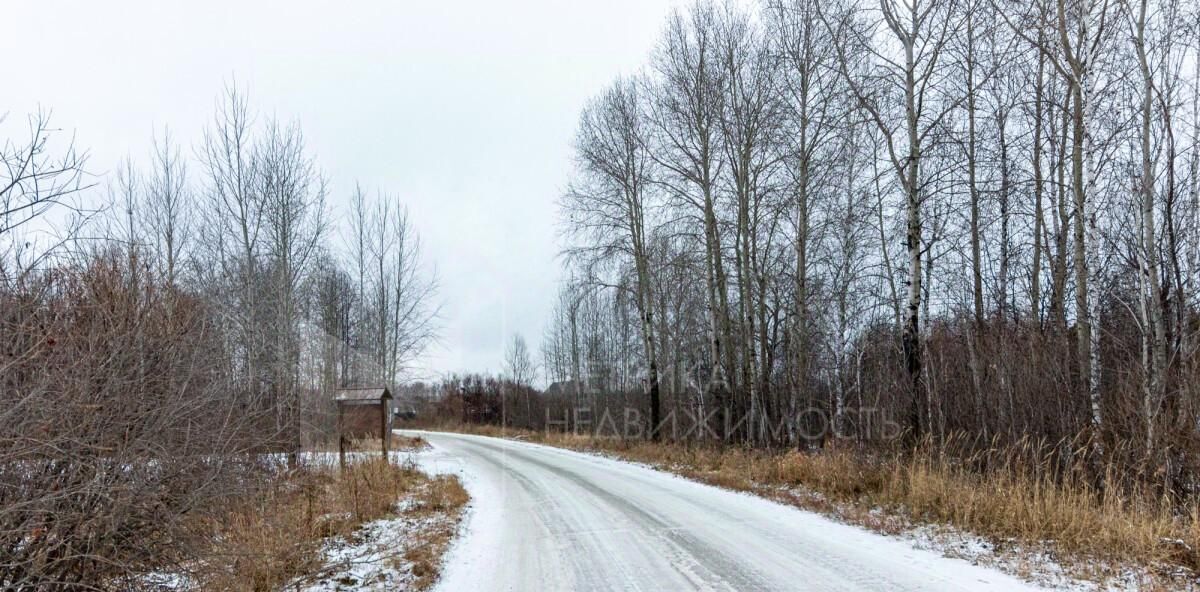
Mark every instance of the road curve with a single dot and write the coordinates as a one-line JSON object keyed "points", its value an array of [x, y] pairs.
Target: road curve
{"points": [[543, 518]]}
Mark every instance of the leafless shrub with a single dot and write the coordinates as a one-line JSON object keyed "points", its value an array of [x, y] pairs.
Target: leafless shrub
{"points": [[117, 430]]}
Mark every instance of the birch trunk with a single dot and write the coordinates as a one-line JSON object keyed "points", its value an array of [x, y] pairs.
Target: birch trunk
{"points": [[1154, 328], [911, 335]]}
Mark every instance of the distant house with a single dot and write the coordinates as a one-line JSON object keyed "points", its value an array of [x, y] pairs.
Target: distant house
{"points": [[404, 410], [364, 412]]}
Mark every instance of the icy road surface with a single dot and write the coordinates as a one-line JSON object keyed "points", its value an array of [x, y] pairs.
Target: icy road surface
{"points": [[543, 518]]}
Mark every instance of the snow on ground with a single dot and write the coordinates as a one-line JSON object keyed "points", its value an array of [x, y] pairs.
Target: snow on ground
{"points": [[374, 557], [326, 459], [382, 555], [482, 527], [1036, 565]]}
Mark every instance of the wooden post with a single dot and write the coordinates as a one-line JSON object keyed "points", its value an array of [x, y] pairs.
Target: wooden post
{"points": [[384, 432], [341, 439]]}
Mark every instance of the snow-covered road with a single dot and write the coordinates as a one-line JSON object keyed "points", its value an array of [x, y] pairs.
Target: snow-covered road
{"points": [[549, 519]]}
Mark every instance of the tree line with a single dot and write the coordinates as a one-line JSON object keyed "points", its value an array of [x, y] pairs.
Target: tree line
{"points": [[977, 217], [172, 333]]}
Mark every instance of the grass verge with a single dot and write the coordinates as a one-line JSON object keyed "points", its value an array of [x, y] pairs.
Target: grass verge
{"points": [[279, 537], [1096, 532]]}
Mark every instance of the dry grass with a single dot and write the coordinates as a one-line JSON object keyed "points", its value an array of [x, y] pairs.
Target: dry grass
{"points": [[368, 445], [276, 538], [441, 494], [1014, 502], [408, 444]]}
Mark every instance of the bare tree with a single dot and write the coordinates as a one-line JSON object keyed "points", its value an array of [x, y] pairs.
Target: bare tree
{"points": [[810, 89], [521, 371], [1079, 31], [397, 314], [169, 205], [687, 110], [293, 224], [609, 203], [232, 240], [518, 364], [36, 177], [919, 32], [750, 131]]}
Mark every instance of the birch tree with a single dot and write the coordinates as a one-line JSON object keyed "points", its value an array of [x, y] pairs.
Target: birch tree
{"points": [[917, 35], [610, 204], [810, 92], [687, 110], [749, 127]]}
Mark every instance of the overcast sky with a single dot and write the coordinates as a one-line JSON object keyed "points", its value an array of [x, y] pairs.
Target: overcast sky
{"points": [[466, 110]]}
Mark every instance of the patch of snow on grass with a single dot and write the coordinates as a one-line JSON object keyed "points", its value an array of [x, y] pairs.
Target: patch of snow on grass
{"points": [[1037, 565], [375, 557]]}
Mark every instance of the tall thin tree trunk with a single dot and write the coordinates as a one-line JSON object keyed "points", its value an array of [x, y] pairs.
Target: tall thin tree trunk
{"points": [[911, 335], [1155, 356], [1039, 221]]}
